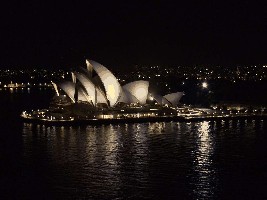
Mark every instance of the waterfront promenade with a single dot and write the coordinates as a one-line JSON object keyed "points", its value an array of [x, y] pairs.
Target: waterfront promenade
{"points": [[176, 118]]}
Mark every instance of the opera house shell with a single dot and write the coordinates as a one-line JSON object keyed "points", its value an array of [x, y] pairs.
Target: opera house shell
{"points": [[97, 85]]}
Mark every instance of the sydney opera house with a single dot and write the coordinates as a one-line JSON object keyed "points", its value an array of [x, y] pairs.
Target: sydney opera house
{"points": [[95, 93], [96, 86]]}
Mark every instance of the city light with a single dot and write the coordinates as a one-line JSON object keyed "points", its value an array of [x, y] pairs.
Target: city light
{"points": [[204, 85]]}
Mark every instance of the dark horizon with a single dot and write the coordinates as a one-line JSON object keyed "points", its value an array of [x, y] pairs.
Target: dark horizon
{"points": [[126, 34]]}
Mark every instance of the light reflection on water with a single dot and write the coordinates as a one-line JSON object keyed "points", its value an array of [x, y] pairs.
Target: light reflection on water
{"points": [[205, 179], [133, 161]]}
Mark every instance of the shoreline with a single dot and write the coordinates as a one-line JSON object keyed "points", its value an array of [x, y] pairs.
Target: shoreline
{"points": [[199, 118]]}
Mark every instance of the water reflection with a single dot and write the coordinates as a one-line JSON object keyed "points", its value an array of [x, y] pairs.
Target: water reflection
{"points": [[93, 160], [156, 128], [147, 160], [205, 173]]}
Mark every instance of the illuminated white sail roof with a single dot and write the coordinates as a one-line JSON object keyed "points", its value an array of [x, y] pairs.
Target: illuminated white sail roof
{"points": [[108, 89], [69, 88], [90, 89], [165, 101], [138, 89], [174, 98], [160, 99], [111, 84], [55, 87], [127, 97]]}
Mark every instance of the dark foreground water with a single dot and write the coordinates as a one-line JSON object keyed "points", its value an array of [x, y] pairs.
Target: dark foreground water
{"points": [[205, 160]]}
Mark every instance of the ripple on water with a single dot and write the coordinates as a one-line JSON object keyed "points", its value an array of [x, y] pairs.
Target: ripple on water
{"points": [[144, 161]]}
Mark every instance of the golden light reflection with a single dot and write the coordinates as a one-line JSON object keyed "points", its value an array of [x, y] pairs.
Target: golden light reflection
{"points": [[156, 128], [203, 143], [203, 161]]}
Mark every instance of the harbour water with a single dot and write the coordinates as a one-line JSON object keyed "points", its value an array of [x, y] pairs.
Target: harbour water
{"points": [[161, 160]]}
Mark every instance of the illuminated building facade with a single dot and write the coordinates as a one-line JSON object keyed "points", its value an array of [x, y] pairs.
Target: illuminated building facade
{"points": [[97, 85]]}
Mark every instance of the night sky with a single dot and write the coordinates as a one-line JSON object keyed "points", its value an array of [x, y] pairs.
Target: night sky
{"points": [[127, 33]]}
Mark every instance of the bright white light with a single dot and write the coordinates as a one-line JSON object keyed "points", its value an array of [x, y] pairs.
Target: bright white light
{"points": [[204, 85], [151, 98]]}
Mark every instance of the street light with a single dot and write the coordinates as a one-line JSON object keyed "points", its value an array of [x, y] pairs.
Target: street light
{"points": [[204, 85]]}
